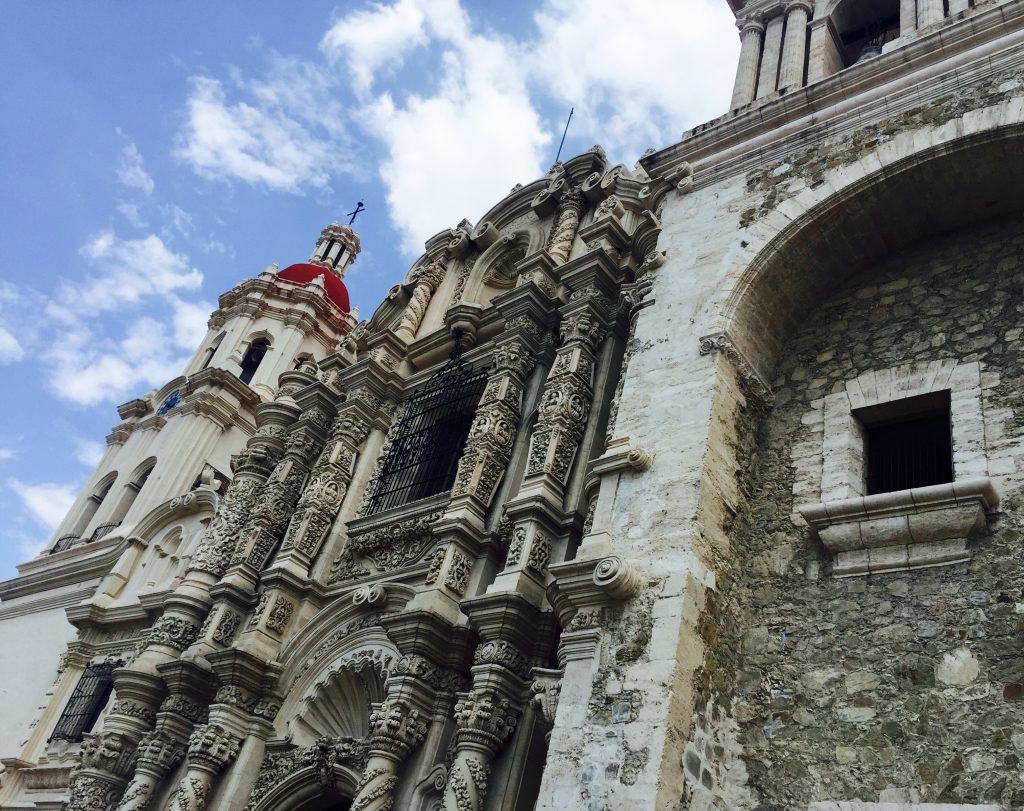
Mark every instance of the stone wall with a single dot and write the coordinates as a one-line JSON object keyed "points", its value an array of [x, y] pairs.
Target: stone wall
{"points": [[906, 686]]}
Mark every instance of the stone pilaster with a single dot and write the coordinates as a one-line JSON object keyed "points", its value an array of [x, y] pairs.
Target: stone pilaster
{"points": [[794, 46], [771, 53], [751, 39], [929, 12]]}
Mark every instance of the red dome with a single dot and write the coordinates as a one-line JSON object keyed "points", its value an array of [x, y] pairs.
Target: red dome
{"points": [[305, 273]]}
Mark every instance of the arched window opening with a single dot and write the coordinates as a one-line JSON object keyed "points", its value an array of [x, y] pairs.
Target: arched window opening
{"points": [[428, 443], [253, 357], [87, 701], [127, 499], [89, 509], [864, 26], [208, 358]]}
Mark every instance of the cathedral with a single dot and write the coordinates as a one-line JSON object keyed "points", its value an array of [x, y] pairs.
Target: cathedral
{"points": [[692, 485]]}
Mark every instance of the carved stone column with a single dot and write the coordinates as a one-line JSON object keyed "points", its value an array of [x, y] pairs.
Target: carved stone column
{"points": [[210, 749], [564, 230], [107, 760], [396, 729], [158, 754], [751, 38], [794, 46], [328, 484], [486, 718], [426, 282]]}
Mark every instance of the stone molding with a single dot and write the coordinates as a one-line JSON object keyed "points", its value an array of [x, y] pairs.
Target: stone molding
{"points": [[856, 805], [751, 377], [906, 529]]}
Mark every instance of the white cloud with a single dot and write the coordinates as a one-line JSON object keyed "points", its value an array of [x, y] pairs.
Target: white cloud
{"points": [[89, 452], [189, 321], [284, 131], [455, 150], [46, 503], [371, 39], [128, 271], [178, 219], [89, 367], [7, 454], [132, 214], [661, 67], [131, 171], [11, 350]]}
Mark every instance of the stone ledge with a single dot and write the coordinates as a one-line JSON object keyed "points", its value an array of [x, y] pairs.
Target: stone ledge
{"points": [[856, 805], [906, 529]]}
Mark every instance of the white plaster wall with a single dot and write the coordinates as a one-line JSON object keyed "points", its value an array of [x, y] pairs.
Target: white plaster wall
{"points": [[33, 644]]}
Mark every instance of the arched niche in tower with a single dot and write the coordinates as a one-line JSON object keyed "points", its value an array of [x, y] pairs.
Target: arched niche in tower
{"points": [[860, 29], [87, 512], [936, 191], [126, 498]]}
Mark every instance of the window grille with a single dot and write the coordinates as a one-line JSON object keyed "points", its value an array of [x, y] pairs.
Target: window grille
{"points": [[86, 703], [909, 443], [425, 452]]}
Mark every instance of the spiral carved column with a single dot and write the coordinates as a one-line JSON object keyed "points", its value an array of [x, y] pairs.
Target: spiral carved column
{"points": [[158, 754], [397, 728], [426, 282], [486, 719], [210, 749], [568, 221]]}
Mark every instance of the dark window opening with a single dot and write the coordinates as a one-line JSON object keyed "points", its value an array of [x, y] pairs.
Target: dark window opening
{"points": [[908, 443], [425, 452], [86, 703], [253, 357]]}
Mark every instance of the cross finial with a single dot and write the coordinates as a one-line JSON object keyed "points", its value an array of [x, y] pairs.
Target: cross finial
{"points": [[353, 214]]}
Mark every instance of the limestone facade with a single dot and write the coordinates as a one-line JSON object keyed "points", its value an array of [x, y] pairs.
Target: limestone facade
{"points": [[583, 516]]}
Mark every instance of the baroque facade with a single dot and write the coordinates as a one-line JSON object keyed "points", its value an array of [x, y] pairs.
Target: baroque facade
{"points": [[693, 485]]}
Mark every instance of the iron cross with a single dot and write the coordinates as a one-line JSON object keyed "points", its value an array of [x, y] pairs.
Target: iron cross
{"points": [[353, 214]]}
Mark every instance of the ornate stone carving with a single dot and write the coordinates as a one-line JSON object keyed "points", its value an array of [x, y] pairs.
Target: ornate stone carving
{"points": [[322, 756], [618, 578], [515, 548], [175, 632], [459, 569], [396, 727], [540, 553], [545, 690], [216, 544], [564, 229], [502, 653], [133, 709], [436, 562], [186, 708], [279, 615], [157, 755], [396, 545], [226, 627]]}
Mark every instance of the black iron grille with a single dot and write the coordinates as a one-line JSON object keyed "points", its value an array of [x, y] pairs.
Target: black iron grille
{"points": [[426, 448], [910, 450], [86, 703]]}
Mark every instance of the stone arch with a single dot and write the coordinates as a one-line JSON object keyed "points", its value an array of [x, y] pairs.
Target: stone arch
{"points": [[852, 219], [494, 270], [308, 788]]}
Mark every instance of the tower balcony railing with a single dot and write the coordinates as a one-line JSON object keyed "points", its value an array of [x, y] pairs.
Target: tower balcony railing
{"points": [[103, 530], [65, 542]]}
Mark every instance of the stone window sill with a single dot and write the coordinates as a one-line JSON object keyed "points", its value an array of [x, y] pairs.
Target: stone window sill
{"points": [[906, 529]]}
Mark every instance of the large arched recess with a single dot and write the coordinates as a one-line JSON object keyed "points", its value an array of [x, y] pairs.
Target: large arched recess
{"points": [[933, 192]]}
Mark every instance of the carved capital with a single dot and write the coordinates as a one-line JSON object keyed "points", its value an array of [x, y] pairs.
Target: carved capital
{"points": [[396, 728], [211, 748]]}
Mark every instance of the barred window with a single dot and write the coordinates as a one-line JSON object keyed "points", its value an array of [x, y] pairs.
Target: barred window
{"points": [[425, 452], [86, 703], [908, 443]]}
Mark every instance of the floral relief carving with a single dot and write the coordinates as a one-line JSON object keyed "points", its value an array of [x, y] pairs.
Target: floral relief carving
{"points": [[459, 569], [396, 545], [279, 615], [436, 562]]}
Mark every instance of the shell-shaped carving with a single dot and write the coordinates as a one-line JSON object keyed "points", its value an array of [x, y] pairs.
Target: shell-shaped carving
{"points": [[338, 706]]}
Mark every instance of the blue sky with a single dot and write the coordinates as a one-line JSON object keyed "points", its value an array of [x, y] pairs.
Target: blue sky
{"points": [[155, 154]]}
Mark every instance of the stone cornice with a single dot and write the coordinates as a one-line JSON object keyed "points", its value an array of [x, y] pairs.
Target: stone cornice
{"points": [[902, 79], [254, 296], [73, 566]]}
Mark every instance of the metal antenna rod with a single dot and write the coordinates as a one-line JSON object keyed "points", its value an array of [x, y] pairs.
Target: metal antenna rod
{"points": [[571, 109]]}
